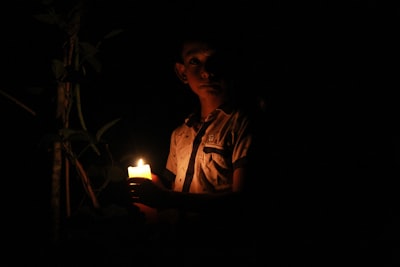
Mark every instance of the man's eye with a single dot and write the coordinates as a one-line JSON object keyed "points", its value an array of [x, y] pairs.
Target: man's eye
{"points": [[194, 61]]}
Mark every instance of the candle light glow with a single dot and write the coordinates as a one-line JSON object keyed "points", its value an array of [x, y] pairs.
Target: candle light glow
{"points": [[141, 170]]}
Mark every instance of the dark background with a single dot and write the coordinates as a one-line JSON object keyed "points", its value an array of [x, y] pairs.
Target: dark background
{"points": [[318, 65]]}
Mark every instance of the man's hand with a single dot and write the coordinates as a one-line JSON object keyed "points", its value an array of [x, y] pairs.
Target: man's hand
{"points": [[145, 191]]}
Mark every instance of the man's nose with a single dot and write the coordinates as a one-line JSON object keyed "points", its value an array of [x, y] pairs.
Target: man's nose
{"points": [[210, 69], [207, 73]]}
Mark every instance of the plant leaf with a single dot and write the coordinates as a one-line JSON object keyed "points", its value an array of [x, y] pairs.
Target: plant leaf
{"points": [[76, 135], [103, 129], [113, 33], [57, 66]]}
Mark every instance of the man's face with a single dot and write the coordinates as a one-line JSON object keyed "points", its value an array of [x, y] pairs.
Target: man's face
{"points": [[204, 69]]}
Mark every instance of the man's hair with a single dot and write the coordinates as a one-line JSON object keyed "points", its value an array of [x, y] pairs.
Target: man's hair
{"points": [[222, 41]]}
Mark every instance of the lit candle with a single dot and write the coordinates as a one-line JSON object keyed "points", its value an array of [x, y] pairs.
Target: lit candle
{"points": [[141, 170]]}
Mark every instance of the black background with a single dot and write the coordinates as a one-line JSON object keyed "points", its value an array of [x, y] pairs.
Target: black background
{"points": [[319, 66]]}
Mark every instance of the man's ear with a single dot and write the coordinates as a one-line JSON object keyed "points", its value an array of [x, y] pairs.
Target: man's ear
{"points": [[180, 72]]}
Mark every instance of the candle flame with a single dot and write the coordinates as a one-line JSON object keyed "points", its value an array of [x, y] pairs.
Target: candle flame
{"points": [[141, 170]]}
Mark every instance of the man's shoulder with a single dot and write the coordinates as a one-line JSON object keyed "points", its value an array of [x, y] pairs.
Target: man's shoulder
{"points": [[181, 128]]}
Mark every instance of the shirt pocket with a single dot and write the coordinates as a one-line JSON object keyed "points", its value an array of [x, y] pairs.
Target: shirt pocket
{"points": [[218, 157]]}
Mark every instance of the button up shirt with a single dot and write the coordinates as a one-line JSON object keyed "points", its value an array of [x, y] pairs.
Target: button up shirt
{"points": [[204, 155]]}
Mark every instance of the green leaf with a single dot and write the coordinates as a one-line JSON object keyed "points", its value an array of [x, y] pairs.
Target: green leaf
{"points": [[48, 18], [51, 18], [87, 49], [76, 135], [57, 66], [103, 129], [95, 63], [88, 52], [113, 33]]}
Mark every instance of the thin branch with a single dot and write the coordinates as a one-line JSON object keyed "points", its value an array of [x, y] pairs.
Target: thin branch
{"points": [[19, 103]]}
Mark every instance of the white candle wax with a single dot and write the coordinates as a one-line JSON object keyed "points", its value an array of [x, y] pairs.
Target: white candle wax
{"points": [[141, 170]]}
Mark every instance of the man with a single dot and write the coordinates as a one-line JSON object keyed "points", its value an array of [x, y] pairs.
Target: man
{"points": [[202, 192]]}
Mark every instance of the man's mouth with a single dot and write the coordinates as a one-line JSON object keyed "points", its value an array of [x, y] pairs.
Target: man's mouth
{"points": [[211, 85]]}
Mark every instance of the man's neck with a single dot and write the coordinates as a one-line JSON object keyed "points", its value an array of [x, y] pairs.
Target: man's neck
{"points": [[209, 105]]}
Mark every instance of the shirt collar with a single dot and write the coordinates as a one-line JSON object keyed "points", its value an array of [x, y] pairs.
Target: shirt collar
{"points": [[194, 117]]}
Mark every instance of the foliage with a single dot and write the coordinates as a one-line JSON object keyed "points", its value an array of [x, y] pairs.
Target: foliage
{"points": [[70, 73]]}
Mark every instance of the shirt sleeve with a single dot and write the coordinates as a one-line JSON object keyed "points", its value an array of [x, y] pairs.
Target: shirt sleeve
{"points": [[243, 143]]}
